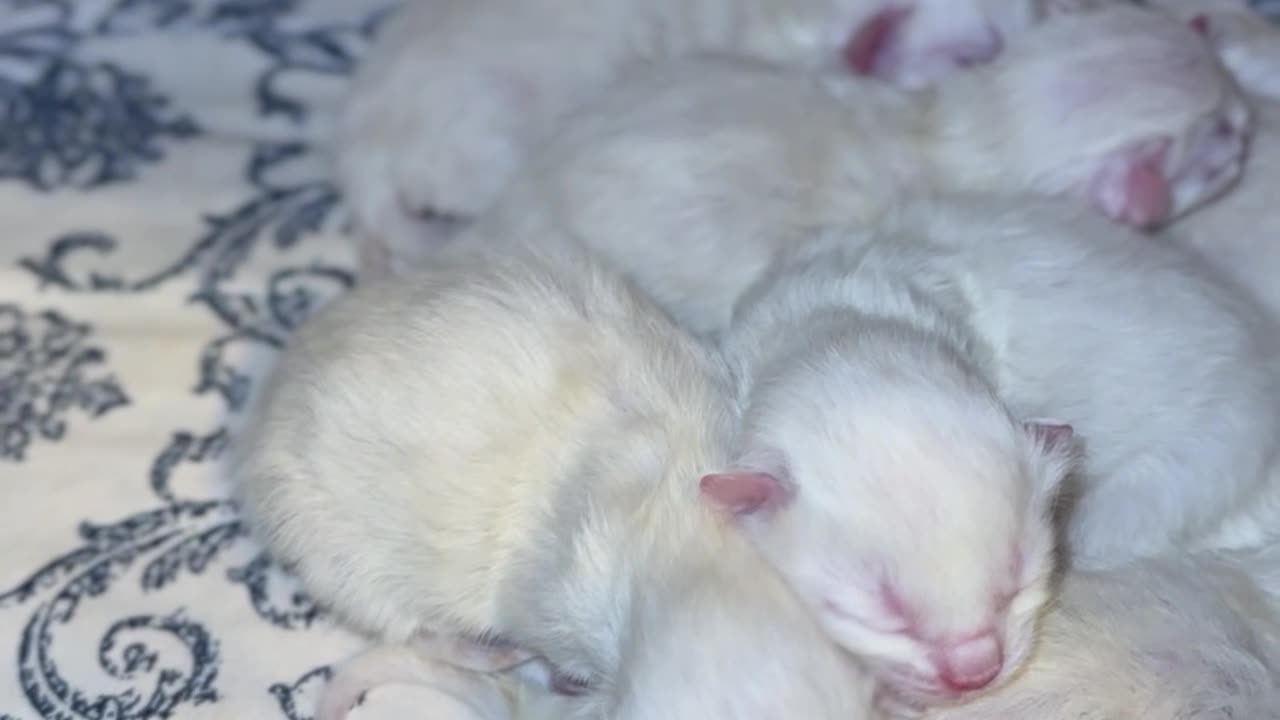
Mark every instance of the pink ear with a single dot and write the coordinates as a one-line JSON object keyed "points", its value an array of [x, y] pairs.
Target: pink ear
{"points": [[1053, 434], [1200, 23], [744, 492], [1131, 187], [867, 48]]}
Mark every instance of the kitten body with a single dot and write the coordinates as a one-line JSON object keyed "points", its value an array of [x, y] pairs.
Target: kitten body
{"points": [[455, 93], [1167, 373], [694, 177], [457, 457]]}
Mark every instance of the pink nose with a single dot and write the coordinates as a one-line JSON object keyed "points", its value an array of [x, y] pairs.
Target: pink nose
{"points": [[970, 665]]}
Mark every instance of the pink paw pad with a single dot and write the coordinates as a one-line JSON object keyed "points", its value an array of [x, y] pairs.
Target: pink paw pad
{"points": [[1132, 188]]}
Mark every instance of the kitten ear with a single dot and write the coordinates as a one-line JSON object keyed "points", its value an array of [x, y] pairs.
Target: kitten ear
{"points": [[870, 46], [1201, 24], [744, 492], [1055, 453], [1130, 186], [1051, 434]]}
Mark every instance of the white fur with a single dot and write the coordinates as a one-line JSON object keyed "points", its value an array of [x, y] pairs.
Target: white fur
{"points": [[509, 444], [920, 513], [449, 453], [879, 373], [1168, 373], [455, 92], [1240, 233], [1245, 39], [694, 176], [1176, 638], [713, 634]]}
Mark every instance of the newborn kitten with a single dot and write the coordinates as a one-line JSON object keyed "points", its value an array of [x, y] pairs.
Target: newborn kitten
{"points": [[895, 372], [1175, 638], [868, 423], [439, 456], [693, 176], [456, 92]]}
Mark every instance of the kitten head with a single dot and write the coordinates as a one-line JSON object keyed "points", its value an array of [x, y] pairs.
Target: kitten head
{"points": [[1124, 107], [914, 519]]}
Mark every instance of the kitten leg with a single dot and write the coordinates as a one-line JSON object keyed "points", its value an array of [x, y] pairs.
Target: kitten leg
{"points": [[455, 694], [1213, 157], [412, 664]]}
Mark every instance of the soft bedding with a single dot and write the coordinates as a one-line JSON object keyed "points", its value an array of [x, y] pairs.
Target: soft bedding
{"points": [[165, 219]]}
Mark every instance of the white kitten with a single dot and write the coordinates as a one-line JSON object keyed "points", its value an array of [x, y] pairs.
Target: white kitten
{"points": [[1176, 638], [463, 436], [456, 92], [880, 373], [868, 425], [694, 176], [494, 462]]}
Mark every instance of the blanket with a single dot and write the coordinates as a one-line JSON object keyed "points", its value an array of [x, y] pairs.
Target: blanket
{"points": [[166, 218]]}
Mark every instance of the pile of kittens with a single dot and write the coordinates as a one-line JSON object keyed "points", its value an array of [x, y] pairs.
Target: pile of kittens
{"points": [[821, 359]]}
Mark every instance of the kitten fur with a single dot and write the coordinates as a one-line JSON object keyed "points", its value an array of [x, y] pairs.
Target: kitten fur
{"points": [[1245, 39], [1189, 637], [1167, 372], [1177, 638], [709, 633], [897, 370], [455, 93], [1240, 233], [694, 176], [910, 507], [464, 435], [506, 447]]}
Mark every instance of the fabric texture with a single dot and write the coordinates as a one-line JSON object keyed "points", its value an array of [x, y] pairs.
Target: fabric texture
{"points": [[165, 219]]}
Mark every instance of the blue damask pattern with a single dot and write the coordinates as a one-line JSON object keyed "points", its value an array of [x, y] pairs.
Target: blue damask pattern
{"points": [[72, 123], [48, 370]]}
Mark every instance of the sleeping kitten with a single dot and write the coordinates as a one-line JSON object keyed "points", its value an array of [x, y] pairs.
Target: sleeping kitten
{"points": [[693, 176], [475, 439], [1245, 39], [893, 366], [455, 93]]}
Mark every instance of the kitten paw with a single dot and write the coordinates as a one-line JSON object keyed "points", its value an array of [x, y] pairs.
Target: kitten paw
{"points": [[1212, 158]]}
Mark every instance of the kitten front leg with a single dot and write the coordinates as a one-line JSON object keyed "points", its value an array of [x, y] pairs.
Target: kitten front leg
{"points": [[448, 693]]}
